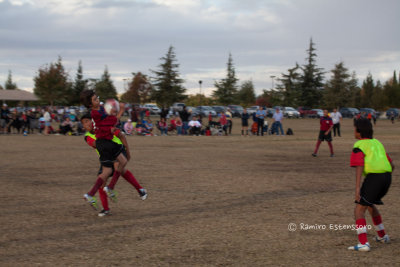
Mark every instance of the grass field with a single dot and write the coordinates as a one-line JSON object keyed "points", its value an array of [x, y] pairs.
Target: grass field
{"points": [[213, 201]]}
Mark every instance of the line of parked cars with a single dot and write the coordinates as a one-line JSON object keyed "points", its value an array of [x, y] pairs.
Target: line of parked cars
{"points": [[288, 112]]}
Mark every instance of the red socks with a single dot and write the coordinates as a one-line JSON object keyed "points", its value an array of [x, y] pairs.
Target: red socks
{"points": [[361, 225], [317, 146], [103, 199], [131, 179], [380, 229], [95, 188], [114, 179], [330, 147]]}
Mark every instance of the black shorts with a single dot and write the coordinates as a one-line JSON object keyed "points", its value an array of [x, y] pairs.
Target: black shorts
{"points": [[101, 166], [109, 151], [323, 137], [245, 123], [375, 187]]}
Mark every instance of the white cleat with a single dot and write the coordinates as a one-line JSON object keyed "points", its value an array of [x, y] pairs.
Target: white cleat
{"points": [[143, 193], [360, 247]]}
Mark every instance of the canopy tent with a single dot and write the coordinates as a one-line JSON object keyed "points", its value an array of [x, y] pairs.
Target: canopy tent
{"points": [[17, 95]]}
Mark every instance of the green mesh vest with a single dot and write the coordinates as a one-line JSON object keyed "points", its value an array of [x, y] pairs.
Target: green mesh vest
{"points": [[375, 159], [115, 139]]}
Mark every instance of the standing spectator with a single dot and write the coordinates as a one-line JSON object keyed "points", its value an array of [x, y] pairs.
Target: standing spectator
{"points": [[179, 124], [147, 113], [134, 116], [163, 126], [278, 117], [325, 133], [336, 119], [245, 122], [260, 114], [163, 113], [184, 114], [223, 122], [229, 116], [47, 121], [5, 118]]}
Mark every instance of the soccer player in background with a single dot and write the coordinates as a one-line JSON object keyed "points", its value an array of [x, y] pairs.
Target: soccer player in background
{"points": [[325, 133], [369, 158], [118, 138]]}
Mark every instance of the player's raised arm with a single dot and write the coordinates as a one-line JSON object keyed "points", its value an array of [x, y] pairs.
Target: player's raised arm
{"points": [[121, 110]]}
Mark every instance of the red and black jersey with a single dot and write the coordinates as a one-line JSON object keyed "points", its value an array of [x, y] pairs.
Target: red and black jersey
{"points": [[103, 123], [326, 123]]}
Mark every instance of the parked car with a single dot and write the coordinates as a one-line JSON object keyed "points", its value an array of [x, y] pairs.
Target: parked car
{"points": [[218, 109], [394, 111], [153, 108], [236, 110], [205, 111], [320, 112], [306, 112], [367, 111], [178, 106], [252, 109], [348, 112], [290, 112]]}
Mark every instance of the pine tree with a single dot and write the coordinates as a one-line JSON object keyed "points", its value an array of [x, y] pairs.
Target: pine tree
{"points": [[246, 94], [311, 80], [367, 91], [79, 85], [104, 87], [338, 89], [9, 85], [52, 84], [288, 87], [226, 92], [168, 87]]}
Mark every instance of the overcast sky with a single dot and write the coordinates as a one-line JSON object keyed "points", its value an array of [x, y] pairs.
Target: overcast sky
{"points": [[265, 37]]}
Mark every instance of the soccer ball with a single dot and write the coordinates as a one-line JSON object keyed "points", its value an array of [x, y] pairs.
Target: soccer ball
{"points": [[111, 107]]}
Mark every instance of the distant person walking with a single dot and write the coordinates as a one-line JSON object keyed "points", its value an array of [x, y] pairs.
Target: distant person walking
{"points": [[260, 114], [278, 117], [245, 122], [336, 119]]}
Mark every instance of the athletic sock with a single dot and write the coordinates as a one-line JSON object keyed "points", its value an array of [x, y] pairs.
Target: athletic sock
{"points": [[95, 188], [242, 132], [131, 179], [103, 199], [361, 225], [317, 146], [114, 180], [330, 147], [380, 229]]}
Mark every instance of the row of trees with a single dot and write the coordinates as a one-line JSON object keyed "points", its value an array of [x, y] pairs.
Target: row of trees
{"points": [[300, 86]]}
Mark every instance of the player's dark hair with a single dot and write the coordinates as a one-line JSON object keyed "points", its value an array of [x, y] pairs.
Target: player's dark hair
{"points": [[86, 98], [86, 116], [364, 127]]}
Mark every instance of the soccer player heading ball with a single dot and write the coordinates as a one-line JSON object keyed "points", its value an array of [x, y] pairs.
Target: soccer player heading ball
{"points": [[369, 158]]}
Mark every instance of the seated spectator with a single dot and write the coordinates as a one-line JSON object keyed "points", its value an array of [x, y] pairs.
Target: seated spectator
{"points": [[148, 124], [128, 127], [172, 124], [141, 128], [194, 126], [179, 125], [163, 126], [66, 126]]}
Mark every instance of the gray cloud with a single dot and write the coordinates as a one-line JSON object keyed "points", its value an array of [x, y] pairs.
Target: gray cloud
{"points": [[264, 37]]}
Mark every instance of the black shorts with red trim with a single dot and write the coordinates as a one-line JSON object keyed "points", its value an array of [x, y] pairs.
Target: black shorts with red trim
{"points": [[109, 151], [325, 137], [374, 188]]}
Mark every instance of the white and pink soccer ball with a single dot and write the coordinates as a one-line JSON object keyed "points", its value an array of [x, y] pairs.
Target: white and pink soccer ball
{"points": [[111, 106]]}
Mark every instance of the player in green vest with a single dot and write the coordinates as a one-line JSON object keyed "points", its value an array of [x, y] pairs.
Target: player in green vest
{"points": [[118, 138], [369, 158]]}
